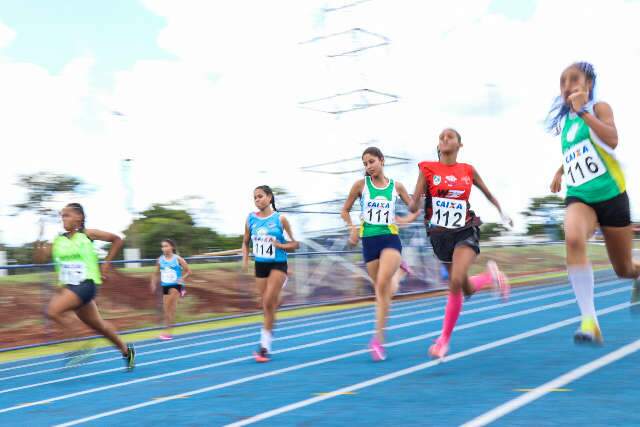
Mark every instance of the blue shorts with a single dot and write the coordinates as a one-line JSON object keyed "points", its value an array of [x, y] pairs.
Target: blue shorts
{"points": [[373, 246]]}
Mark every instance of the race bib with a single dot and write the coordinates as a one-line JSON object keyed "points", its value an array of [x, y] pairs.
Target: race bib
{"points": [[582, 164], [72, 273], [448, 213], [263, 247], [379, 213], [168, 275]]}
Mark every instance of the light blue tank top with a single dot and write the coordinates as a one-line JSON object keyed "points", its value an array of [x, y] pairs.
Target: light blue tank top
{"points": [[263, 231], [170, 271]]}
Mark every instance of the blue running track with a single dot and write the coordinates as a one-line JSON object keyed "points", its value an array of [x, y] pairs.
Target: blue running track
{"points": [[510, 364]]}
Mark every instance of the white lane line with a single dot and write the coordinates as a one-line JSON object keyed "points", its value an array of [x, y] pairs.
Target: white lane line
{"points": [[313, 332], [207, 342], [305, 346], [308, 333], [523, 290], [354, 387], [402, 372], [559, 382], [398, 306]]}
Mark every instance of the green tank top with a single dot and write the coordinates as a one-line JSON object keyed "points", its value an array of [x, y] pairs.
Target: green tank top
{"points": [[75, 259], [592, 172], [378, 209]]}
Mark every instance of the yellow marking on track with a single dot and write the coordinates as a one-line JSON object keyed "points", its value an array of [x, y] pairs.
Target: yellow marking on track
{"points": [[345, 393]]}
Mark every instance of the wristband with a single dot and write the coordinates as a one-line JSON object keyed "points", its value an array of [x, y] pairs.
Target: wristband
{"points": [[583, 110]]}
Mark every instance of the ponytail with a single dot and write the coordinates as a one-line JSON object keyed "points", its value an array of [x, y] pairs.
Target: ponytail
{"points": [[269, 192]]}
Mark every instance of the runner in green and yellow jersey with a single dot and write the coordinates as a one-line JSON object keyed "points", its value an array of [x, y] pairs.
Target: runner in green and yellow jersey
{"points": [[80, 276], [381, 247], [596, 191]]}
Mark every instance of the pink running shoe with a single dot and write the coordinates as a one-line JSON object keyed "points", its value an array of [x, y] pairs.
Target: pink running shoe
{"points": [[165, 337], [500, 280], [378, 353], [404, 266], [438, 349]]}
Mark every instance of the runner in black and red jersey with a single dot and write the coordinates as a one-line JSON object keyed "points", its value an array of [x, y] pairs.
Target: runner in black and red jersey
{"points": [[454, 229]]}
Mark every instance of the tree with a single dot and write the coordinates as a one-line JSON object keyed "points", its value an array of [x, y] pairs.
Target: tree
{"points": [[545, 215], [491, 229], [43, 189], [162, 222]]}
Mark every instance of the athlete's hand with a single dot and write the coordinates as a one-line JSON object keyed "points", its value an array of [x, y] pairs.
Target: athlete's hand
{"points": [[354, 236], [577, 100], [556, 184], [506, 220], [245, 265], [42, 252], [105, 269]]}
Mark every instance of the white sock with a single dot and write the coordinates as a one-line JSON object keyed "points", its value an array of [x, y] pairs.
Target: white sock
{"points": [[581, 278], [265, 339]]}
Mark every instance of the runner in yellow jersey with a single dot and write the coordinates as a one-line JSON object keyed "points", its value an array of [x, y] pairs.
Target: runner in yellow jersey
{"points": [[596, 190]]}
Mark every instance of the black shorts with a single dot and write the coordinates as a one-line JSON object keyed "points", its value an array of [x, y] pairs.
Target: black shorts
{"points": [[614, 212], [86, 291], [263, 269], [167, 289], [445, 242], [373, 246]]}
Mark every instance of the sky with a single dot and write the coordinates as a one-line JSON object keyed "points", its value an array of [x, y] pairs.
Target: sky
{"points": [[207, 93]]}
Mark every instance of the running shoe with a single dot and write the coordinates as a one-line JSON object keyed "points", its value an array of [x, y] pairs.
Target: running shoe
{"points": [[165, 337], [262, 355], [130, 358], [438, 349], [500, 280], [378, 353], [406, 268], [79, 357], [588, 333]]}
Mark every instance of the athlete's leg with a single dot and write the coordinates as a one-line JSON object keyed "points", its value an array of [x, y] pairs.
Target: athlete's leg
{"points": [[619, 242], [60, 305], [170, 305], [388, 264], [270, 301], [90, 315], [579, 224], [463, 257]]}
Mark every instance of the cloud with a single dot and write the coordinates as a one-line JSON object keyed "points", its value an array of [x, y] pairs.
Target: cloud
{"points": [[6, 35], [223, 116]]}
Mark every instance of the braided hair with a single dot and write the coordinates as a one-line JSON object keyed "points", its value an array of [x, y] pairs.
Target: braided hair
{"points": [[77, 207]]}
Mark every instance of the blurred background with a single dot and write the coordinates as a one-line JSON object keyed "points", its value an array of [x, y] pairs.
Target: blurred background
{"points": [[162, 117]]}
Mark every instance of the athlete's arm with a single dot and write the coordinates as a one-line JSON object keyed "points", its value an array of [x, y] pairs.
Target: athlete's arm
{"points": [[291, 245], [116, 246], [404, 195], [186, 271], [421, 184], [354, 193], [245, 246], [154, 278], [556, 183], [478, 182], [602, 123]]}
